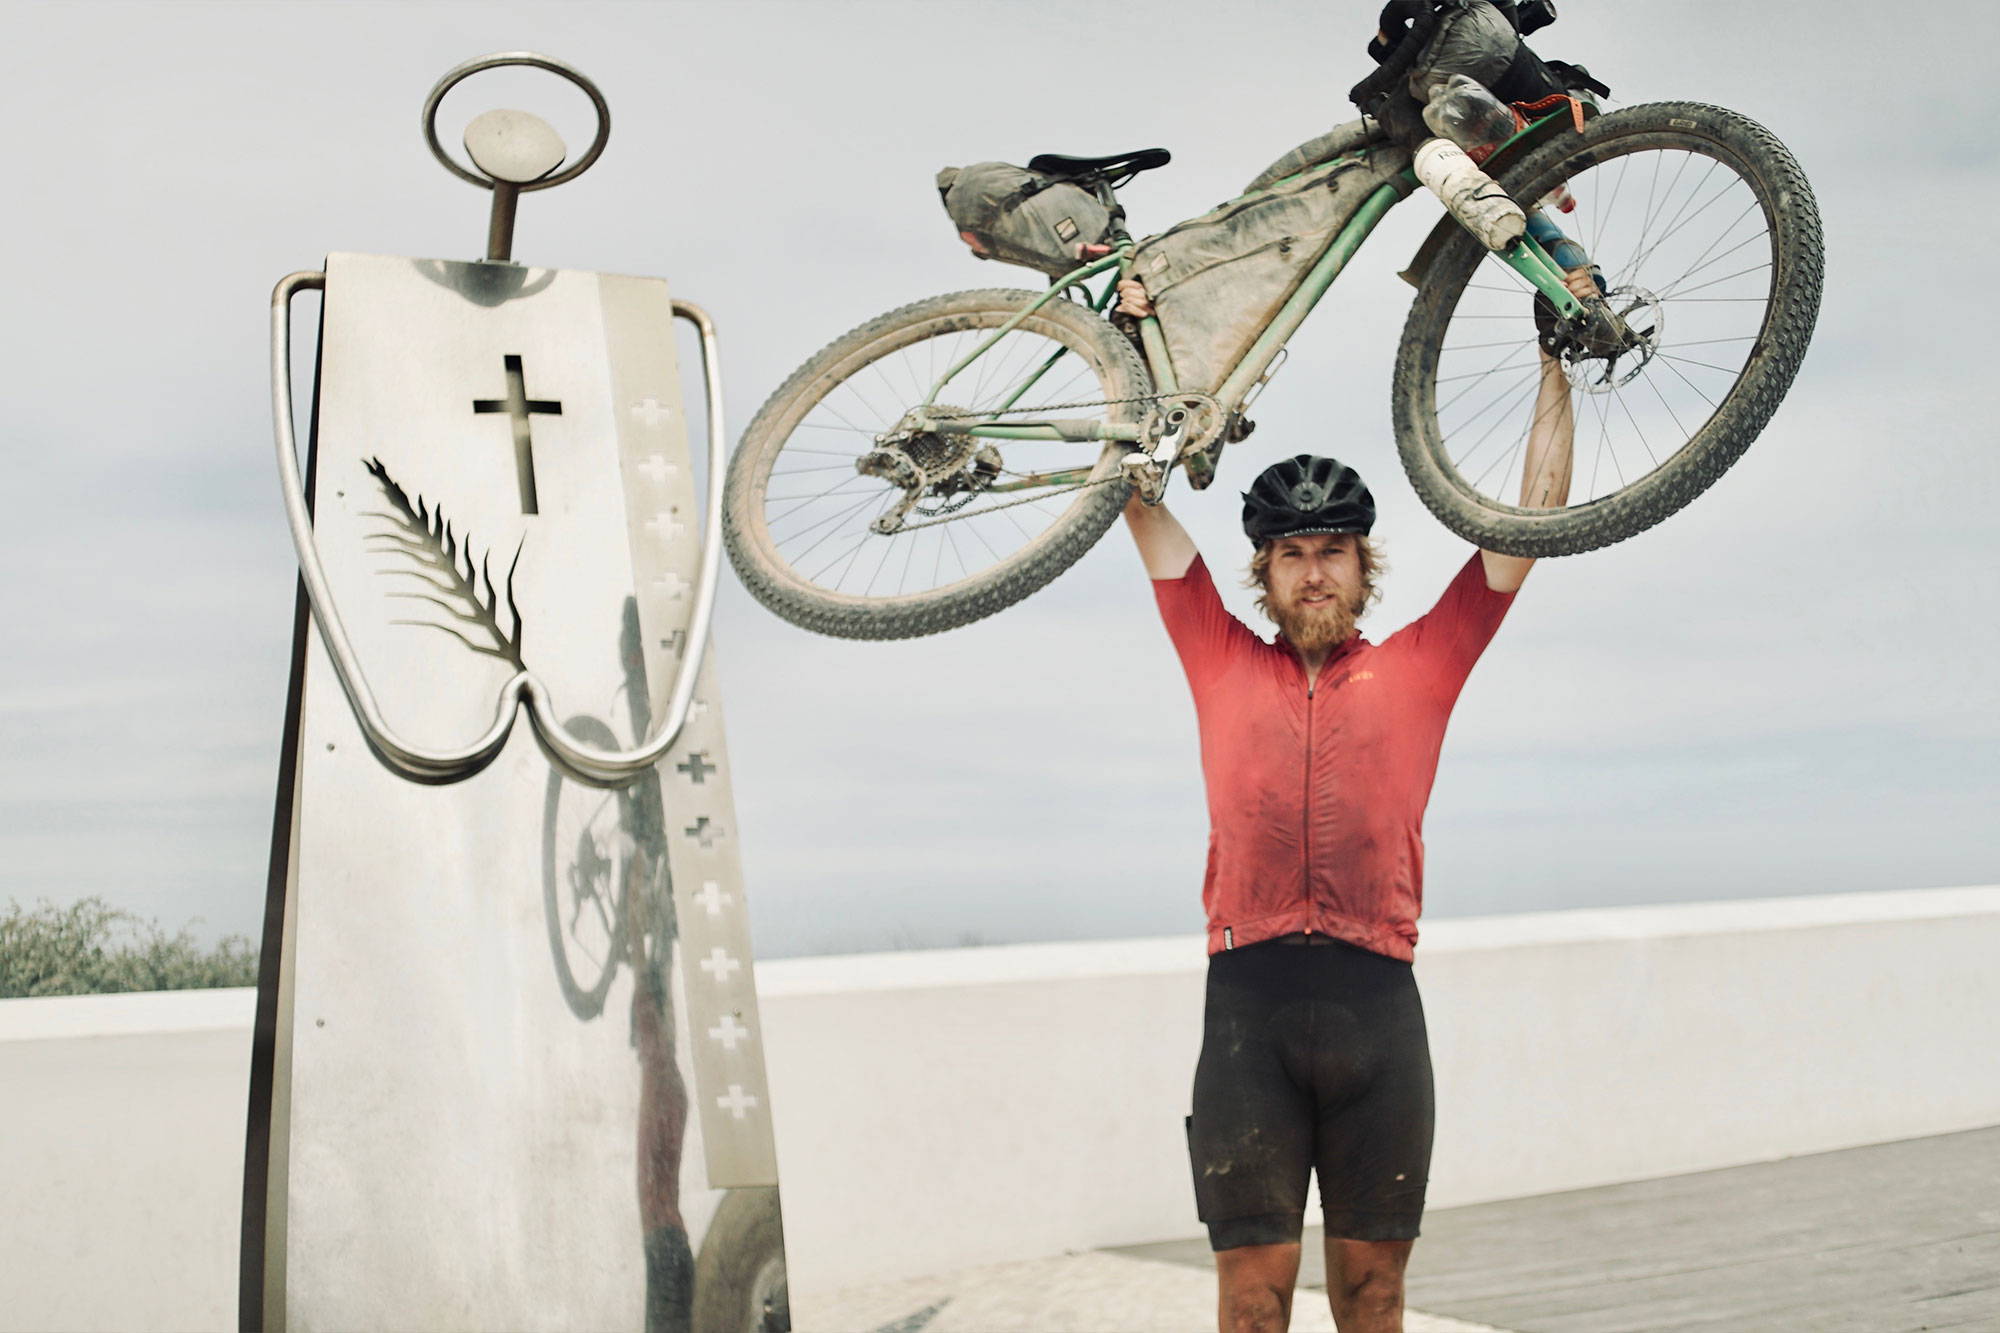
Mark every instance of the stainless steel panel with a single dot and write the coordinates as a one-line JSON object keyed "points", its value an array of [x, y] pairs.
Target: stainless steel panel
{"points": [[523, 1043]]}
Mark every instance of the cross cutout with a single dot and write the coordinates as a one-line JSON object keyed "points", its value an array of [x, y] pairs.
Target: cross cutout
{"points": [[697, 766], [519, 407], [729, 1032], [704, 831], [696, 707], [651, 411], [711, 897], [665, 526], [673, 585], [656, 468], [673, 643], [737, 1102], [719, 964]]}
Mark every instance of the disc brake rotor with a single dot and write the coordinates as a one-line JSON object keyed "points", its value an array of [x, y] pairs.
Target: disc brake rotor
{"points": [[1603, 369]]}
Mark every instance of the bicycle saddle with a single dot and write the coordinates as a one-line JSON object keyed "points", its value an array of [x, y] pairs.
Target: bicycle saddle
{"points": [[1125, 165]]}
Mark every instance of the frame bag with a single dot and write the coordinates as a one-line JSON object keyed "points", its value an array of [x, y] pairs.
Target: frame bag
{"points": [[1217, 280], [1023, 217]]}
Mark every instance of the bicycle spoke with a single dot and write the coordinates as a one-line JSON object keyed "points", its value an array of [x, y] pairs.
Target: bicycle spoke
{"points": [[1705, 259], [1705, 365], [1754, 268], [1494, 369]]}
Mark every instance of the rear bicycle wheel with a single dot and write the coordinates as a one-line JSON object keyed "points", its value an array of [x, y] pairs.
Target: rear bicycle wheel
{"points": [[1709, 239], [986, 524]]}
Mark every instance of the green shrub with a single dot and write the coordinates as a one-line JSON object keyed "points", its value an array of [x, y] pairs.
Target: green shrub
{"points": [[90, 948]]}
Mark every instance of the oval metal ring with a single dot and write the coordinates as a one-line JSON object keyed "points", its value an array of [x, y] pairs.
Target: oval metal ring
{"points": [[535, 61]]}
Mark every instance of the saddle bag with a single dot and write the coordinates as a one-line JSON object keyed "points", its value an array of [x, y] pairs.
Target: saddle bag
{"points": [[1217, 280], [1024, 217]]}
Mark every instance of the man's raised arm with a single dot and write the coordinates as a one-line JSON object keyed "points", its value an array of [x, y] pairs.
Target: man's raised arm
{"points": [[1164, 545], [1545, 471]]}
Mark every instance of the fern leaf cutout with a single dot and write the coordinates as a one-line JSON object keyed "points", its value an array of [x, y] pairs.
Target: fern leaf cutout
{"points": [[447, 573]]}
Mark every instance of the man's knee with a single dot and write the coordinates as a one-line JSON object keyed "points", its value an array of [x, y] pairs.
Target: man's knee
{"points": [[1366, 1276], [1256, 1283], [1375, 1290], [1258, 1308]]}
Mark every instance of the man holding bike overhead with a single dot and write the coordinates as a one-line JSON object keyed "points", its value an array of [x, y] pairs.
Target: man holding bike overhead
{"points": [[1318, 751]]}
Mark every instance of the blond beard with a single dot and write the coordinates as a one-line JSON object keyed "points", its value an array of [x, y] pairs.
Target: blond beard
{"points": [[1317, 629]]}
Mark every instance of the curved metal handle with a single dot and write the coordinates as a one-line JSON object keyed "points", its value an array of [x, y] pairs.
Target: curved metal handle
{"points": [[586, 763]]}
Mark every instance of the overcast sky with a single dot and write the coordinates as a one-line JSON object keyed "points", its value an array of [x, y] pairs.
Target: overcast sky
{"points": [[1789, 688]]}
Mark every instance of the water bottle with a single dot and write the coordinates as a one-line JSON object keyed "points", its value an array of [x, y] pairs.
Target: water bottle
{"points": [[1471, 195], [1462, 111]]}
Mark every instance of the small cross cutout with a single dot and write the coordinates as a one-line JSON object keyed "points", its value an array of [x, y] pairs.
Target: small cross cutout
{"points": [[729, 1032], [719, 964], [651, 411]]}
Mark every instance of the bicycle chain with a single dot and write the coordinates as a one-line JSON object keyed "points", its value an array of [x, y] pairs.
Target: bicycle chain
{"points": [[1043, 409]]}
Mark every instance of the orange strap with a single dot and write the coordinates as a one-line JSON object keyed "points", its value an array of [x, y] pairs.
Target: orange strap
{"points": [[1525, 111]]}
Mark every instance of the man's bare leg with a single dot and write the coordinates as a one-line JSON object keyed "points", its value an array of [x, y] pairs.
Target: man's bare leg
{"points": [[1256, 1283], [1364, 1283]]}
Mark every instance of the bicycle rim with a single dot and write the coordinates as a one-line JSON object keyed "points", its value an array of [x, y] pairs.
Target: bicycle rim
{"points": [[1686, 242]]}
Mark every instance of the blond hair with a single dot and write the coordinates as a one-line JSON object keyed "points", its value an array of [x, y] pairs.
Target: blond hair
{"points": [[1373, 566]]}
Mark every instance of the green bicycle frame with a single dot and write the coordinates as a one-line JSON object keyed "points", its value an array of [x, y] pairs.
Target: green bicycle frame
{"points": [[1526, 257]]}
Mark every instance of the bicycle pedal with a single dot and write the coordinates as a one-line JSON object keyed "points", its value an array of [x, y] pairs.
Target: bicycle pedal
{"points": [[1148, 478]]}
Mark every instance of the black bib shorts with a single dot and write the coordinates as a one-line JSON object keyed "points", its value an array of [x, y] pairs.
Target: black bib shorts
{"points": [[1314, 1057]]}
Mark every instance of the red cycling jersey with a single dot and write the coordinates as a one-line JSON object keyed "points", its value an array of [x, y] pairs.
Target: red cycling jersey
{"points": [[1316, 793]]}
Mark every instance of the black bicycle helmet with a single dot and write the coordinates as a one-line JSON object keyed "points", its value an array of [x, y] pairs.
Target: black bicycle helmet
{"points": [[1304, 494]]}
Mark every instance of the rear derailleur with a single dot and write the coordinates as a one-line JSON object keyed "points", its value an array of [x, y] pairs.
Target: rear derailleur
{"points": [[938, 471]]}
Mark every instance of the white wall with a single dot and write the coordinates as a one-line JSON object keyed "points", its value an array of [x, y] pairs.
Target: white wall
{"points": [[121, 1159], [936, 1110], [942, 1109]]}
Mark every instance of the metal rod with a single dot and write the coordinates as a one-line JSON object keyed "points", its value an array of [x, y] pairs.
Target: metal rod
{"points": [[500, 225], [1029, 481], [1076, 432]]}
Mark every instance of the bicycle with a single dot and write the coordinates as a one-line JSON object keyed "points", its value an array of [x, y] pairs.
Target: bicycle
{"points": [[962, 451]]}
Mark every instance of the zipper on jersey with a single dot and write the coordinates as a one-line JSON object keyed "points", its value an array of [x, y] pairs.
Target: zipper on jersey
{"points": [[1305, 807]]}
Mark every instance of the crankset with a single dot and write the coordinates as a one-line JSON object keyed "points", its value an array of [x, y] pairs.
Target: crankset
{"points": [[1184, 428]]}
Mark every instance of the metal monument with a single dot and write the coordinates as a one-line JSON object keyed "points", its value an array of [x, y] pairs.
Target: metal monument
{"points": [[508, 1070]]}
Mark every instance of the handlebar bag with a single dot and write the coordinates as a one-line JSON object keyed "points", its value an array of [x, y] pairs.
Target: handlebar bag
{"points": [[1023, 217], [1217, 280]]}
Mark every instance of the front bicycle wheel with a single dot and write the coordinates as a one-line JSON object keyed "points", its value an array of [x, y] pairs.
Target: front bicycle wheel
{"points": [[1709, 241], [837, 532]]}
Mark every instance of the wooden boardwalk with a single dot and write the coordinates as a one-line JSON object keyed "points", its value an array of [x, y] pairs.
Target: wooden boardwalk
{"points": [[1891, 1238]]}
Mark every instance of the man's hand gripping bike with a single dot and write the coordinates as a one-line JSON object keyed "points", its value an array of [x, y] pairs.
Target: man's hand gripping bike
{"points": [[945, 460]]}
